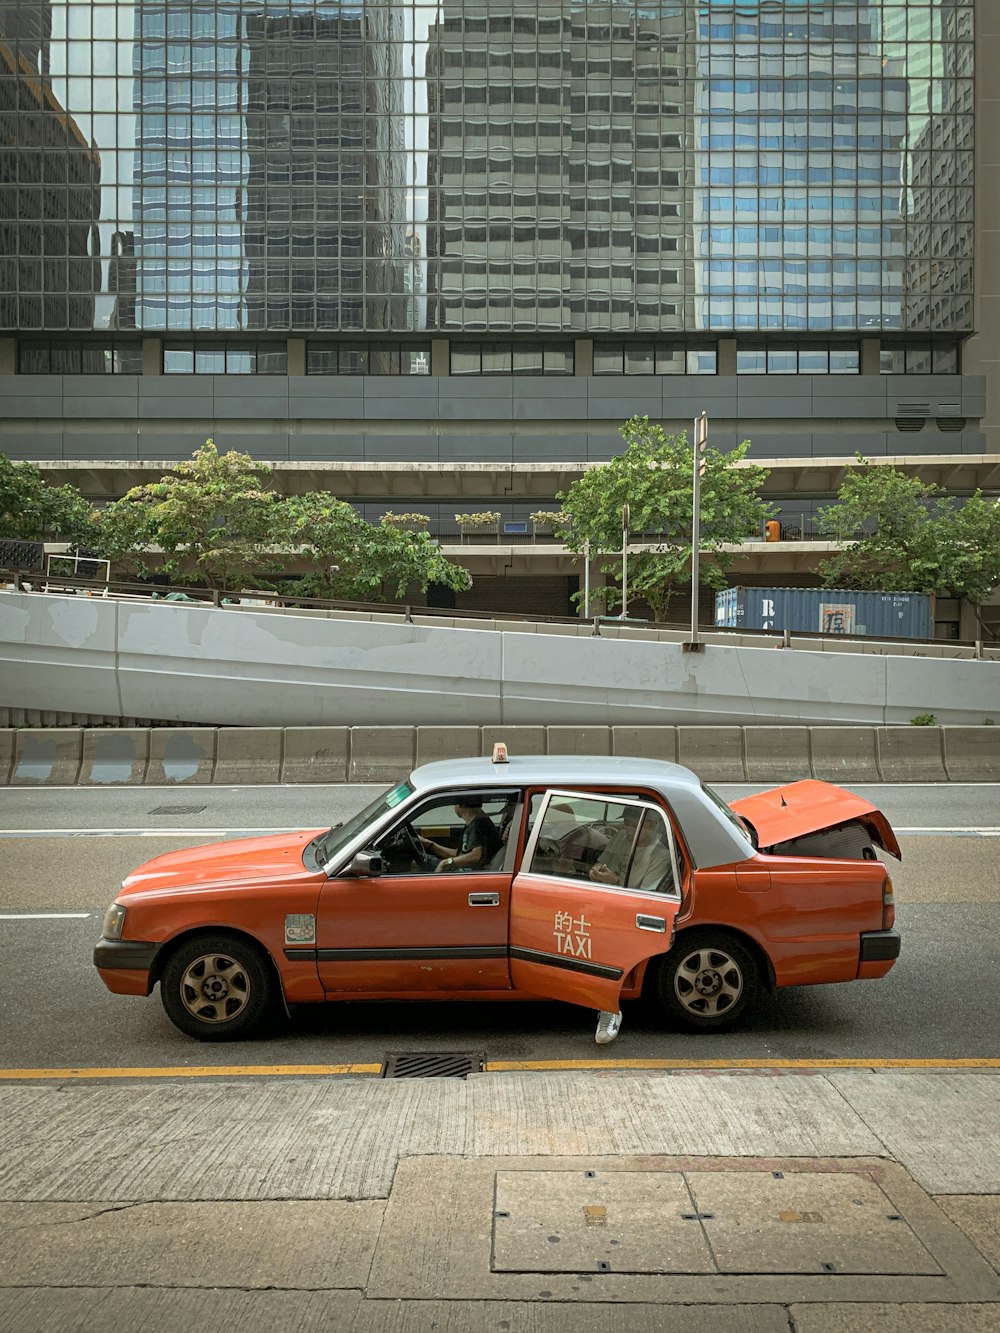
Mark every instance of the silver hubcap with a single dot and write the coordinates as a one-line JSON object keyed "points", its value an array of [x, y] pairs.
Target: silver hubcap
{"points": [[708, 982], [215, 988]]}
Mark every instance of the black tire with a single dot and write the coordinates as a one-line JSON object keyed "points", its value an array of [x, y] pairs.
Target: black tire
{"points": [[708, 981], [217, 987]]}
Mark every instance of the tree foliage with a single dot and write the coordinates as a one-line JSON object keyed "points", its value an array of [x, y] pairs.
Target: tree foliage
{"points": [[358, 561], [212, 518], [653, 477], [32, 510], [899, 533], [216, 521]]}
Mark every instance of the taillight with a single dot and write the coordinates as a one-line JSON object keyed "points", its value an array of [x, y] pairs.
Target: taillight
{"points": [[888, 905]]}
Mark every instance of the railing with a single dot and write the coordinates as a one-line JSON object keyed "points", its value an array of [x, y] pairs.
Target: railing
{"points": [[28, 580], [60, 568]]}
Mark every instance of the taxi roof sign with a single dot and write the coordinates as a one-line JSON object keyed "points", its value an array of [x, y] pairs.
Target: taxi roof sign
{"points": [[500, 753]]}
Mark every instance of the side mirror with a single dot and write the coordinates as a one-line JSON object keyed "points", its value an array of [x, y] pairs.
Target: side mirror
{"points": [[363, 865]]}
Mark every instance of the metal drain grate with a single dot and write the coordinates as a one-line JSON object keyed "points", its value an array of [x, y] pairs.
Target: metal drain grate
{"points": [[178, 810], [430, 1064]]}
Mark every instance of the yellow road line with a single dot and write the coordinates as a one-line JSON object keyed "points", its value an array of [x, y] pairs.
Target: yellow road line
{"points": [[191, 1071], [495, 1066], [490, 1066]]}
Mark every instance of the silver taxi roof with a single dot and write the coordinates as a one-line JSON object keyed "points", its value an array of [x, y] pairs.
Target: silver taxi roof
{"points": [[713, 835]]}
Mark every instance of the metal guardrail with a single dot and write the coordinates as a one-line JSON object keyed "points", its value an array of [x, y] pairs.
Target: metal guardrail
{"points": [[30, 580], [255, 597]]}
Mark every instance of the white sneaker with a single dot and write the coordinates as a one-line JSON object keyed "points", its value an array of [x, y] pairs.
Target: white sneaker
{"points": [[608, 1027]]}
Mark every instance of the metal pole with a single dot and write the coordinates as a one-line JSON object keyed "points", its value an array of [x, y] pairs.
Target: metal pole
{"points": [[698, 463], [586, 578], [625, 518]]}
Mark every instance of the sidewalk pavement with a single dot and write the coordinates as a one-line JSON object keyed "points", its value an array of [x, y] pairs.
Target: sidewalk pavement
{"points": [[570, 1202]]}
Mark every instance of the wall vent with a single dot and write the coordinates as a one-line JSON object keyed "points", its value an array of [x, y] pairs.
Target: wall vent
{"points": [[913, 410]]}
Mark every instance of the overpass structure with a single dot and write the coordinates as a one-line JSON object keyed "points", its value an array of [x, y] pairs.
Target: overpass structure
{"points": [[87, 659]]}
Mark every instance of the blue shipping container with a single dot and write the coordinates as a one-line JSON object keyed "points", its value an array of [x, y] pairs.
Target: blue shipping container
{"points": [[875, 615]]}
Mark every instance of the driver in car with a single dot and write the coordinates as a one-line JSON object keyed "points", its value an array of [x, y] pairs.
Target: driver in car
{"points": [[479, 843]]}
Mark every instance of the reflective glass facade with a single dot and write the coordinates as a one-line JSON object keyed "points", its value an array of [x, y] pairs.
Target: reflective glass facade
{"points": [[486, 167]]}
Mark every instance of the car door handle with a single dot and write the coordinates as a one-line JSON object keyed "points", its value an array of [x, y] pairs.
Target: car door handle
{"points": [[484, 900], [656, 923]]}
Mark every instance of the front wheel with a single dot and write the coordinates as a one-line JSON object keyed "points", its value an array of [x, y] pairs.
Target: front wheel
{"points": [[217, 988], [708, 980]]}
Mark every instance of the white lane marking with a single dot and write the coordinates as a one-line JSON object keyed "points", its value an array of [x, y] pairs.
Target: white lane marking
{"points": [[956, 830], [205, 787], [165, 832], [46, 916], [962, 831], [104, 787]]}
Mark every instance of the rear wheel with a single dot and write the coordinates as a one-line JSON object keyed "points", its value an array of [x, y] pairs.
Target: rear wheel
{"points": [[708, 980], [217, 988]]}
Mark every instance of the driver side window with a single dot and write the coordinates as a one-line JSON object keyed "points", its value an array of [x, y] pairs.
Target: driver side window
{"points": [[454, 833]]}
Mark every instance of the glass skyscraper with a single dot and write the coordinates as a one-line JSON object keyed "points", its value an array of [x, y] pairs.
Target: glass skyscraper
{"points": [[431, 254], [525, 166]]}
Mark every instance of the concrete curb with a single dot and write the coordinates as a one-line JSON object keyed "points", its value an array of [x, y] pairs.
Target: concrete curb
{"points": [[158, 756]]}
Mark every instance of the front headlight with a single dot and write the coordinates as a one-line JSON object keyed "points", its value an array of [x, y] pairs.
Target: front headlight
{"points": [[114, 920]]}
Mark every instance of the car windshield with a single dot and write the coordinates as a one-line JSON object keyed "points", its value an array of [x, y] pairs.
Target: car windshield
{"points": [[341, 834]]}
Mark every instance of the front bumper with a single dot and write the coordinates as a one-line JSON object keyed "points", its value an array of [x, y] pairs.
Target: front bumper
{"points": [[880, 946], [134, 955], [125, 966]]}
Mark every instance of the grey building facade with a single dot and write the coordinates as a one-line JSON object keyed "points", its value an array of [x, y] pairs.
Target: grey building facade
{"points": [[433, 254]]}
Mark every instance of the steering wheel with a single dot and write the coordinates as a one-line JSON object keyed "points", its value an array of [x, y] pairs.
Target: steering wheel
{"points": [[404, 841], [413, 841]]}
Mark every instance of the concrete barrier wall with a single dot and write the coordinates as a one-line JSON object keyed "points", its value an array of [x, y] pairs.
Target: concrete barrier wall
{"points": [[189, 756], [972, 754], [189, 664]]}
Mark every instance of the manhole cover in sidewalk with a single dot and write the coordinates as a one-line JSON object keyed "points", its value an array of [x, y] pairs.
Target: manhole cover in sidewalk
{"points": [[805, 1222], [596, 1222], [715, 1222]]}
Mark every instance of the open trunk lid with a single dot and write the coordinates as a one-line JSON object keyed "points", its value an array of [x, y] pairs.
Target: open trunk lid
{"points": [[802, 808]]}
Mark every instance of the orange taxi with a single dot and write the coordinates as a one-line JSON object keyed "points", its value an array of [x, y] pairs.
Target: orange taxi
{"points": [[585, 879]]}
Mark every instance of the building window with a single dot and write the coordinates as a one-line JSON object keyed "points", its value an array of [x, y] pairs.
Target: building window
{"points": [[508, 358], [368, 358], [921, 359], [83, 358], [807, 360], [229, 358], [653, 359]]}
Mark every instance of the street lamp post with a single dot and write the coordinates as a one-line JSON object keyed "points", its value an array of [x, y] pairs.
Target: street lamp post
{"points": [[625, 518], [697, 472], [586, 578]]}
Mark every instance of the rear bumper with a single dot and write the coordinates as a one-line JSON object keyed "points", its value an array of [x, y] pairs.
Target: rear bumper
{"points": [[125, 965], [879, 946]]}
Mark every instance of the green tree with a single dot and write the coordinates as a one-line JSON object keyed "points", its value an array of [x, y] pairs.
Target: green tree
{"points": [[881, 519], [212, 518], [32, 510], [653, 477], [359, 561], [899, 533], [966, 545], [217, 522]]}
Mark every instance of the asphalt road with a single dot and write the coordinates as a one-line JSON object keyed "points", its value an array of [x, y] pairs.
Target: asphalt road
{"points": [[64, 852]]}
